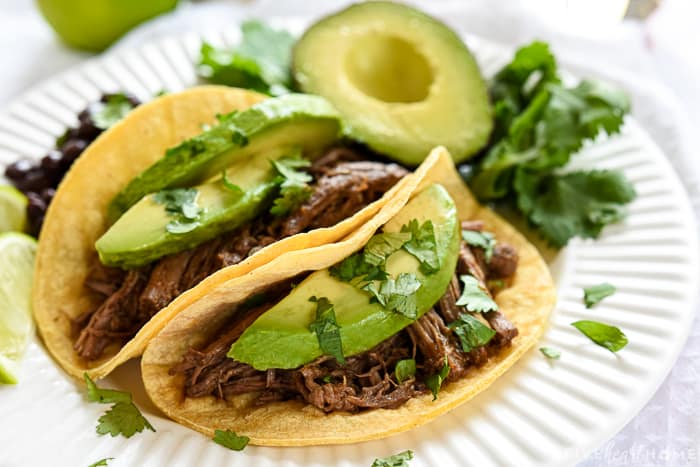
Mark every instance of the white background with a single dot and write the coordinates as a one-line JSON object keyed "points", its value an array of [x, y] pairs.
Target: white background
{"points": [[657, 61]]}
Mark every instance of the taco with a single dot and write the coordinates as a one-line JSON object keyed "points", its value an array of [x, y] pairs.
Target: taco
{"points": [[193, 188], [414, 313]]}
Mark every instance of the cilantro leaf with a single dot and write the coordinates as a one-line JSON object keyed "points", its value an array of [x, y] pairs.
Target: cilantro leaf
{"points": [[397, 460], [423, 245], [229, 184], [472, 333], [397, 295], [261, 61], [106, 114], [181, 204], [549, 352], [483, 240], [405, 369], [101, 462], [123, 418], [294, 184], [473, 297], [573, 204], [381, 246], [230, 439], [326, 329], [595, 293], [434, 382], [104, 396], [610, 337]]}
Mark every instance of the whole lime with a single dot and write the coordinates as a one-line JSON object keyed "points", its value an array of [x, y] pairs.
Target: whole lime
{"points": [[95, 24]]}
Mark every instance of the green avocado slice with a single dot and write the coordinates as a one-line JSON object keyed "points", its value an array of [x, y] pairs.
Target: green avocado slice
{"points": [[145, 232], [281, 338], [403, 81], [292, 120]]}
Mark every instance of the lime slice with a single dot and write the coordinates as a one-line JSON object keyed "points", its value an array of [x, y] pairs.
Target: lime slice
{"points": [[16, 270], [13, 205]]}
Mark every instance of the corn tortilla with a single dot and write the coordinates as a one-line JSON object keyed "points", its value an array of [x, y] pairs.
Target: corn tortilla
{"points": [[527, 303], [78, 217]]}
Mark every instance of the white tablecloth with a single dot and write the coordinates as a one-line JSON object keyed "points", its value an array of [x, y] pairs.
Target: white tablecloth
{"points": [[656, 61]]}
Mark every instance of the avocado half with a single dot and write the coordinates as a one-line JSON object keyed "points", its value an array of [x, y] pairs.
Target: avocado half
{"points": [[403, 81]]}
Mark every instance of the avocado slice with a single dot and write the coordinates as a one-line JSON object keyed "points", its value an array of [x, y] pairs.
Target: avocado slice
{"points": [[144, 234], [281, 338], [403, 81], [292, 120]]}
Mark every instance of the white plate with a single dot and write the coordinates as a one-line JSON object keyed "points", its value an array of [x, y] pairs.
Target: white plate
{"points": [[539, 413]]}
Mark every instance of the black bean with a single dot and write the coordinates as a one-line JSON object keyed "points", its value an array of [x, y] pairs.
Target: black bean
{"points": [[72, 149], [35, 204], [35, 180], [52, 165], [34, 223], [18, 170], [86, 129], [47, 195]]}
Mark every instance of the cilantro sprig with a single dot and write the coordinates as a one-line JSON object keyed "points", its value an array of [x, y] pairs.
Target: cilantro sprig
{"points": [[405, 370], [101, 462], [473, 297], [326, 329], [106, 114], [610, 337], [539, 124], [484, 240], [551, 353], [123, 417]]}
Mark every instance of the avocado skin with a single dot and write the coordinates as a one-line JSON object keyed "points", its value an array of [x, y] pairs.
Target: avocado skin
{"points": [[280, 338], [456, 112], [266, 126], [114, 252]]}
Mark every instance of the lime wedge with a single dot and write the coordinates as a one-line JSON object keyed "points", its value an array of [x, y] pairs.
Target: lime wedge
{"points": [[16, 270], [13, 205]]}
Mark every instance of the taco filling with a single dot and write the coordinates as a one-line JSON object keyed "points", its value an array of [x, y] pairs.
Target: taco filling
{"points": [[446, 339], [344, 180]]}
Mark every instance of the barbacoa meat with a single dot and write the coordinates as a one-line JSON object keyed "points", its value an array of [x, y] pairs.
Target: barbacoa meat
{"points": [[365, 381], [343, 185]]}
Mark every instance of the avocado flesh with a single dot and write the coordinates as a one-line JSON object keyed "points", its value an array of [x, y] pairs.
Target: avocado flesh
{"points": [[280, 338], [403, 81], [140, 235], [292, 120]]}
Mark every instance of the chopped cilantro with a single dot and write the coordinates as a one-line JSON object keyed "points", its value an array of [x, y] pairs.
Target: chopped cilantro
{"points": [[550, 353], [595, 293], [294, 184], [230, 439], [473, 297], [260, 62], [104, 396], [181, 204], [108, 113], [381, 246], [539, 124], [327, 379], [101, 462], [405, 369], [123, 417], [423, 245], [397, 295], [483, 240], [434, 382], [610, 337], [229, 184], [397, 460], [472, 333], [326, 329]]}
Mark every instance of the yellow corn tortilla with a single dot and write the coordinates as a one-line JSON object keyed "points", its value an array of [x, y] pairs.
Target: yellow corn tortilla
{"points": [[78, 217], [527, 303]]}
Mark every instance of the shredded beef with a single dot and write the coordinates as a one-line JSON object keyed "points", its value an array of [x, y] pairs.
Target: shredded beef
{"points": [[344, 183], [365, 381]]}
